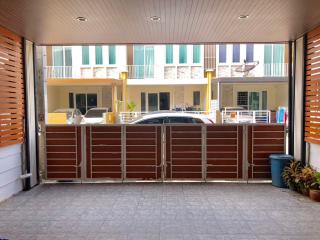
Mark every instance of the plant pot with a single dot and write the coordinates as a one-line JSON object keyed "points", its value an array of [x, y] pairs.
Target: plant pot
{"points": [[315, 195]]}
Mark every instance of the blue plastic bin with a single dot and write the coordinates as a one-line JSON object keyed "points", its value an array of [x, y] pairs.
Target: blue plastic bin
{"points": [[278, 163]]}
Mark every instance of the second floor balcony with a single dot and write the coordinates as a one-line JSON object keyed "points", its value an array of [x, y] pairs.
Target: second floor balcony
{"points": [[252, 70], [137, 74]]}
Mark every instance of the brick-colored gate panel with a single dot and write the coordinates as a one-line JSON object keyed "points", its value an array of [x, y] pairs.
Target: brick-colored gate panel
{"points": [[224, 151], [264, 140], [184, 152], [143, 152], [63, 149], [104, 152]]}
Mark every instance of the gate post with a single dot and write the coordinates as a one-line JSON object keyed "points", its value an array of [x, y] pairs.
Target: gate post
{"points": [[123, 152], [245, 161], [204, 151], [83, 143], [163, 152]]}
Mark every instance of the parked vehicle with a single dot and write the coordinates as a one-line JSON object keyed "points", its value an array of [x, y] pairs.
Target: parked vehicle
{"points": [[94, 116], [74, 115], [172, 117]]}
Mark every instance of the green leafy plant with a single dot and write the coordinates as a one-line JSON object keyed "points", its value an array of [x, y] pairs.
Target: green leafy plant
{"points": [[131, 106], [291, 174], [316, 182], [306, 179]]}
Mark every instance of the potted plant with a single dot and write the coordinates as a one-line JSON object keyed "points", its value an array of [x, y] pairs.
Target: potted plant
{"points": [[315, 188], [306, 179], [291, 175]]}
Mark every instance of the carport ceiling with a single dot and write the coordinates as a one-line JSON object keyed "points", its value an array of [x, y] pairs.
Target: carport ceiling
{"points": [[181, 21]]}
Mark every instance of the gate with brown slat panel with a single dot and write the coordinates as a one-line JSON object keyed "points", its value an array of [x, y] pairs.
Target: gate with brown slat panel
{"points": [[224, 151], [143, 152], [64, 152], [167, 152], [263, 140], [104, 152], [184, 152]]}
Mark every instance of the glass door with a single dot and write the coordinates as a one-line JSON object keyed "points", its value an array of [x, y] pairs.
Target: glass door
{"points": [[254, 98], [81, 102], [152, 102], [164, 99], [91, 100]]}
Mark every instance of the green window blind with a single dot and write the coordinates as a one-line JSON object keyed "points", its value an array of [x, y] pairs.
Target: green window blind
{"points": [[138, 60], [99, 59], [183, 54], [112, 54], [196, 53], [169, 54], [267, 59], [85, 55]]}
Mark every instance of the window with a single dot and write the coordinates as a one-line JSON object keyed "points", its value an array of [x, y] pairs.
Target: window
{"points": [[196, 98], [236, 53], [58, 56], [182, 53], [85, 55], [84, 101], [99, 59], [143, 102], [242, 99], [71, 100], [249, 53], [222, 53], [196, 53], [181, 120], [143, 62], [252, 100], [152, 121], [274, 59], [169, 54], [112, 54]]}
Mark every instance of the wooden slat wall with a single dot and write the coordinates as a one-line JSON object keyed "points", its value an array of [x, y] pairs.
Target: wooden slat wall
{"points": [[224, 151], [312, 99], [104, 152], [264, 140], [184, 152], [143, 152], [63, 152], [11, 89]]}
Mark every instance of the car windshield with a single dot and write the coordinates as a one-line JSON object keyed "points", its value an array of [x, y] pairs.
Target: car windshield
{"points": [[95, 113]]}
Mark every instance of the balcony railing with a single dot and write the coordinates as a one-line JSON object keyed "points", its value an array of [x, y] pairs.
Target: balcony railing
{"points": [[83, 72], [165, 72], [246, 116], [260, 70]]}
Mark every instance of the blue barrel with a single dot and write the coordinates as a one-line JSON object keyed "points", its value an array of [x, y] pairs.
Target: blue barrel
{"points": [[278, 163]]}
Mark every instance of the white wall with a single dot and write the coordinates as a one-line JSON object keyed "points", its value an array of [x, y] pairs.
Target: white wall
{"points": [[10, 171]]}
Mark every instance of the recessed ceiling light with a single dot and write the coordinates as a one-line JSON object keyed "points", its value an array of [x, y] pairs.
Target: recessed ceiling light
{"points": [[81, 19], [155, 18], [243, 17]]}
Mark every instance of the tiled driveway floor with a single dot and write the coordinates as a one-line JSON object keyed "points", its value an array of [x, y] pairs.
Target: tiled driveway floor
{"points": [[159, 211]]}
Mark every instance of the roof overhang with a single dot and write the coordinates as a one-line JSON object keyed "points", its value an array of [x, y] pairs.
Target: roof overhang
{"points": [[181, 21]]}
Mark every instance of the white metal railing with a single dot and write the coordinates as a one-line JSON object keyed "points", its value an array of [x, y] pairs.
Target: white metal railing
{"points": [[83, 71], [260, 70], [246, 116], [195, 71], [125, 117]]}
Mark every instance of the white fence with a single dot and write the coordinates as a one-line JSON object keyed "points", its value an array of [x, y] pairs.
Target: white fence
{"points": [[244, 116]]}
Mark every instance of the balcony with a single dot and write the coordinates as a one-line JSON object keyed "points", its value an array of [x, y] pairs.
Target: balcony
{"points": [[55, 72], [165, 74], [259, 70]]}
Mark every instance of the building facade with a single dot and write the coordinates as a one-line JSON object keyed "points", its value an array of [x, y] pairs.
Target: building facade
{"points": [[167, 77]]}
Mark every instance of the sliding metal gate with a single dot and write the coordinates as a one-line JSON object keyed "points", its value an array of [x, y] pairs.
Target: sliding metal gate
{"points": [[162, 152]]}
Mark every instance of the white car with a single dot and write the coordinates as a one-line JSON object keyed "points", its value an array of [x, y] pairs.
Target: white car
{"points": [[172, 117], [94, 116], [74, 115]]}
